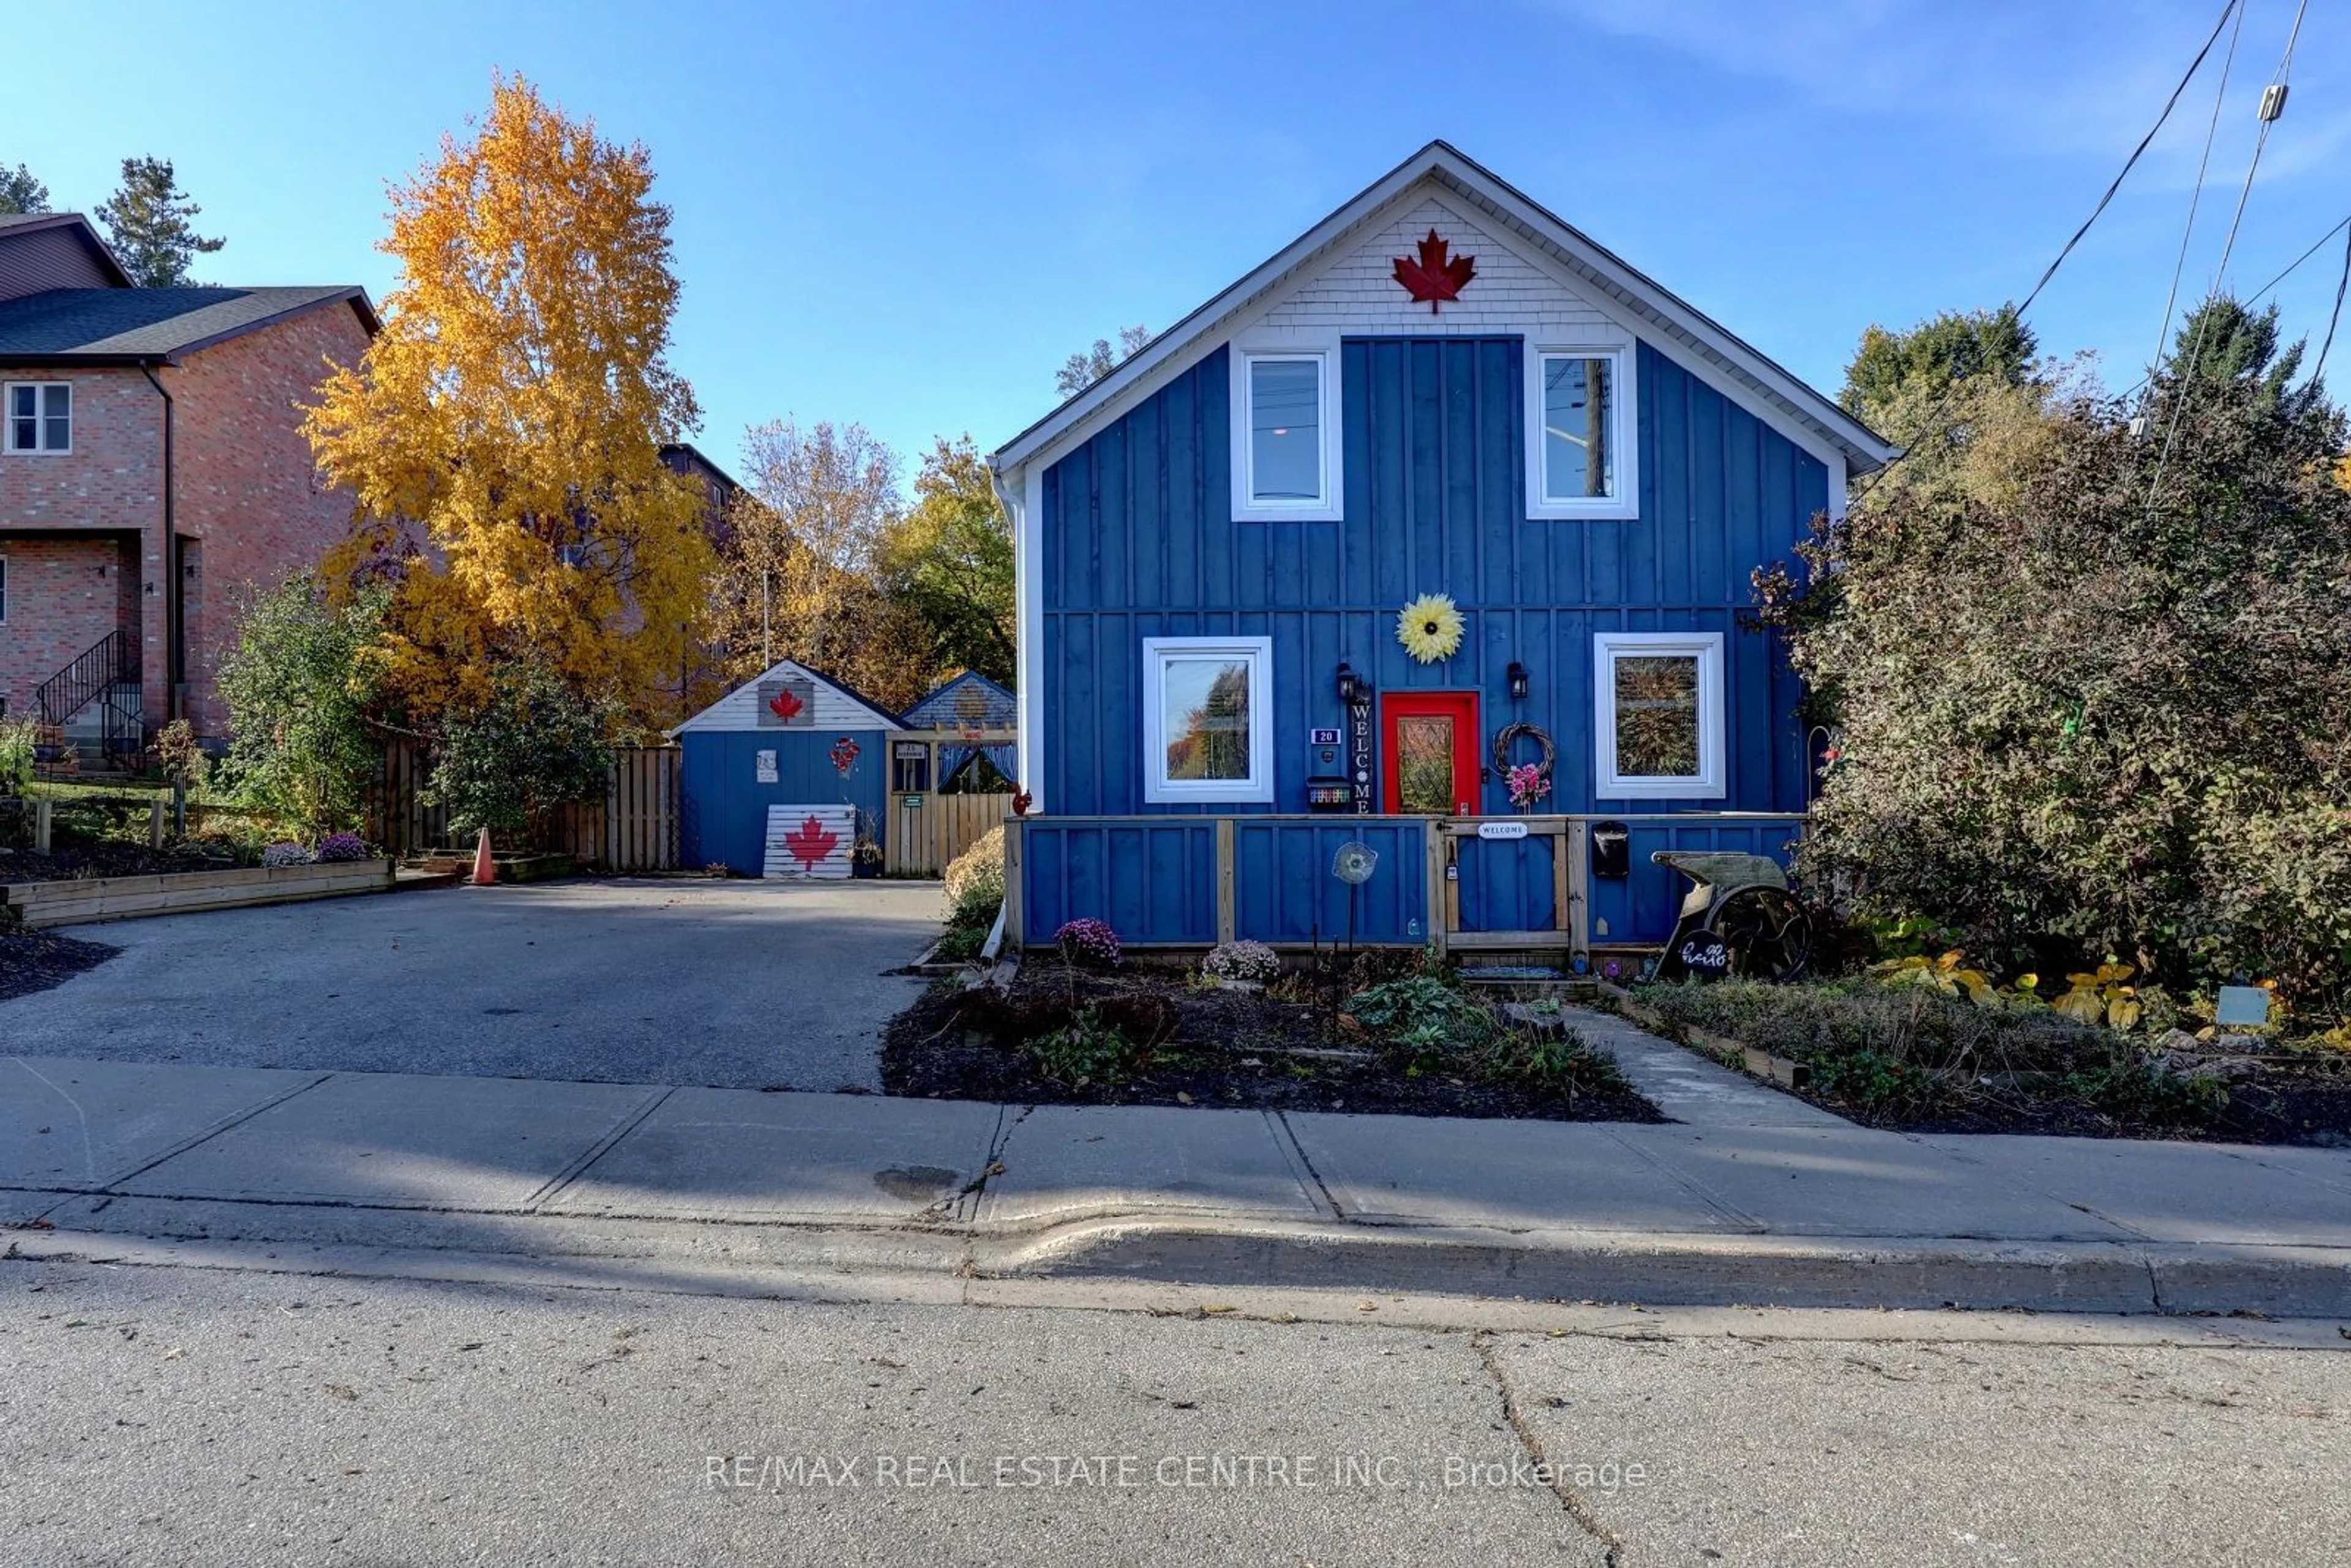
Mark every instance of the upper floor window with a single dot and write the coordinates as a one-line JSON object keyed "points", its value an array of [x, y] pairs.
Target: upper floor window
{"points": [[1580, 458], [40, 416], [1285, 431]]}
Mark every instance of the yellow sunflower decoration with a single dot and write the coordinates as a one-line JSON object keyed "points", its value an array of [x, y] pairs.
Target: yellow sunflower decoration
{"points": [[1430, 628]]}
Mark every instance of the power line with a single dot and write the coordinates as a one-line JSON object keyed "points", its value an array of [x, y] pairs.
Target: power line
{"points": [[2227, 10], [2273, 106], [2258, 294], [2196, 196], [2336, 314]]}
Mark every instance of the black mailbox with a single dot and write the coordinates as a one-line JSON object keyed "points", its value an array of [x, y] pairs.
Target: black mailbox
{"points": [[1612, 851]]}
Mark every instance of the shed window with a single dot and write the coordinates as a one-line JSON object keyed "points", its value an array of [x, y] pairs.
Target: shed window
{"points": [[40, 417], [1286, 432], [1659, 729], [1208, 723]]}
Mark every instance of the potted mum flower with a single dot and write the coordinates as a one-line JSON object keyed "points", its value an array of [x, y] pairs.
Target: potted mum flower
{"points": [[1242, 966]]}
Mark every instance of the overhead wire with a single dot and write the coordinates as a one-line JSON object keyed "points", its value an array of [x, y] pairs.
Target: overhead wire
{"points": [[2341, 283], [2228, 248], [2196, 195], [2228, 9]]}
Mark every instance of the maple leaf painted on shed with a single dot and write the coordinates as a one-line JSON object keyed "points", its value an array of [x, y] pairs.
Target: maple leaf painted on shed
{"points": [[809, 842], [785, 704], [1433, 278]]}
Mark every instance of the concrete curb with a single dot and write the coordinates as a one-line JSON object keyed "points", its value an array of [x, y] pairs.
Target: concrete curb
{"points": [[1699, 1271], [1693, 1270]]}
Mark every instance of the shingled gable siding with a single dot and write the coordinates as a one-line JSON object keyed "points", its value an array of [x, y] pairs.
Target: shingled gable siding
{"points": [[1139, 541]]}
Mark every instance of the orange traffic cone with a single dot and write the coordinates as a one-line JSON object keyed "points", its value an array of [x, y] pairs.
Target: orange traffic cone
{"points": [[483, 873]]}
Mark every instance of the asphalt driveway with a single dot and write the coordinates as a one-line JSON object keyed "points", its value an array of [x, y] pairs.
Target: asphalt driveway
{"points": [[742, 985]]}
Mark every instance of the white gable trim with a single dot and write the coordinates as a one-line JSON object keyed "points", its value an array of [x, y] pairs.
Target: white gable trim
{"points": [[1672, 325], [836, 707]]}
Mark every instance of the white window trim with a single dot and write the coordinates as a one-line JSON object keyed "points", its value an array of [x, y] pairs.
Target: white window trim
{"points": [[4, 591], [1158, 789], [1323, 350], [1623, 427], [1710, 780], [41, 419]]}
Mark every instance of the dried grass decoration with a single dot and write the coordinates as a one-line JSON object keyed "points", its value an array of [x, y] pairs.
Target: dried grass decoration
{"points": [[1430, 628]]}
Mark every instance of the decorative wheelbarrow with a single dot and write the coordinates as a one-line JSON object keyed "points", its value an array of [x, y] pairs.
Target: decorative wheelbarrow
{"points": [[1737, 919]]}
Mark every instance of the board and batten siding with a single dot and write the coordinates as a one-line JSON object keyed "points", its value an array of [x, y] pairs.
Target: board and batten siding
{"points": [[1139, 541]]}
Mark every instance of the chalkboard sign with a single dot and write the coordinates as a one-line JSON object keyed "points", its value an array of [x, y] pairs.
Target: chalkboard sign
{"points": [[1704, 955]]}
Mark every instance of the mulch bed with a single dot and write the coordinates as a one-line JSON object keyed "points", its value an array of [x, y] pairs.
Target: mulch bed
{"points": [[1228, 1049], [2281, 1104], [33, 961], [112, 857]]}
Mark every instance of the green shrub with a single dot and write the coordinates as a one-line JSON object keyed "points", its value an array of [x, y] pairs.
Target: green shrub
{"points": [[2091, 687], [17, 740], [1560, 1063], [1089, 1050], [535, 745], [298, 681], [960, 944], [974, 883]]}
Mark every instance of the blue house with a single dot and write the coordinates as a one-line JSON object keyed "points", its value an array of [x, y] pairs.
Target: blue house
{"points": [[781, 775], [1442, 490]]}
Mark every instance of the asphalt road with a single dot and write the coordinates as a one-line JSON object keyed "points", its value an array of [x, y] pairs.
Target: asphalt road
{"points": [[739, 985], [183, 1415]]}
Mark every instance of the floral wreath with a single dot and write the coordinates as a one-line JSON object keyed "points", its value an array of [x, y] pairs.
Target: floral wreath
{"points": [[1528, 781], [1430, 628]]}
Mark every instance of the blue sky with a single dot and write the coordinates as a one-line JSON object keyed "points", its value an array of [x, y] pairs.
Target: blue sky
{"points": [[908, 214]]}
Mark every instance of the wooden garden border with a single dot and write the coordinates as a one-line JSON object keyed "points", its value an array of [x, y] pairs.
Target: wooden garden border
{"points": [[40, 903]]}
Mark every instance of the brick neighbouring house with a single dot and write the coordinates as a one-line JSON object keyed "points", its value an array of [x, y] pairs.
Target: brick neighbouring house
{"points": [[167, 476]]}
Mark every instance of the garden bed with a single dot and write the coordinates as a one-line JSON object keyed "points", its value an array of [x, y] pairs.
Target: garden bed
{"points": [[1910, 1059], [84, 899], [1189, 1042], [33, 961]]}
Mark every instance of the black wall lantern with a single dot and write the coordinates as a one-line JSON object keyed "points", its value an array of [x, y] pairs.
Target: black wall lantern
{"points": [[1517, 678], [1350, 685]]}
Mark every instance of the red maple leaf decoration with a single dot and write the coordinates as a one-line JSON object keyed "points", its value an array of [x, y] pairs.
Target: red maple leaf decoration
{"points": [[811, 842], [784, 704], [1433, 278]]}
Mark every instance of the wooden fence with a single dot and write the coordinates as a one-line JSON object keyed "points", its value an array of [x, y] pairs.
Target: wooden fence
{"points": [[921, 839], [633, 827]]}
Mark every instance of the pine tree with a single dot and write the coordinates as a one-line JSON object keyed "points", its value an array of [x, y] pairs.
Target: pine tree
{"points": [[21, 191], [147, 220]]}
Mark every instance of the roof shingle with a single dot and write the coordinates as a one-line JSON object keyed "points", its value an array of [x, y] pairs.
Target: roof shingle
{"points": [[149, 323]]}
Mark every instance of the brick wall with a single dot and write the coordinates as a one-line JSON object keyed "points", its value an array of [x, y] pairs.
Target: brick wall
{"points": [[247, 505], [248, 492], [109, 488], [64, 594]]}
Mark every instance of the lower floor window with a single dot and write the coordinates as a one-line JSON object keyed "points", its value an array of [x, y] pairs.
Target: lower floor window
{"points": [[1207, 719], [1659, 717]]}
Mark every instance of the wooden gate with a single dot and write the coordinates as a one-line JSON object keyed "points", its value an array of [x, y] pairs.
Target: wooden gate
{"points": [[926, 830]]}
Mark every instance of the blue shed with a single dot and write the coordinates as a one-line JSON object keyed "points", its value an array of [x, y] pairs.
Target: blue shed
{"points": [[1441, 490], [764, 790]]}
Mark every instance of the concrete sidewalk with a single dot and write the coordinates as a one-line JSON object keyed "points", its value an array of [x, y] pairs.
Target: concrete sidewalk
{"points": [[1749, 1198]]}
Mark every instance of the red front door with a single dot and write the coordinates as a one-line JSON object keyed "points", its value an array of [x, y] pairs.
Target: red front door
{"points": [[1428, 753]]}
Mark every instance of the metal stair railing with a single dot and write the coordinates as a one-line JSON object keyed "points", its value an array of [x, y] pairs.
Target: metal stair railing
{"points": [[102, 665]]}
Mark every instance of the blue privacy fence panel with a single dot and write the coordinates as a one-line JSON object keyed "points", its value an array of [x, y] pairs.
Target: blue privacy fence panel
{"points": [[1154, 882], [1284, 890], [1155, 879], [724, 807], [1139, 540], [1507, 884], [1641, 909]]}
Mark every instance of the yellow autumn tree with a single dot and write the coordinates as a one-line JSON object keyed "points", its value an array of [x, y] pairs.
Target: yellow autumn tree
{"points": [[503, 434]]}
